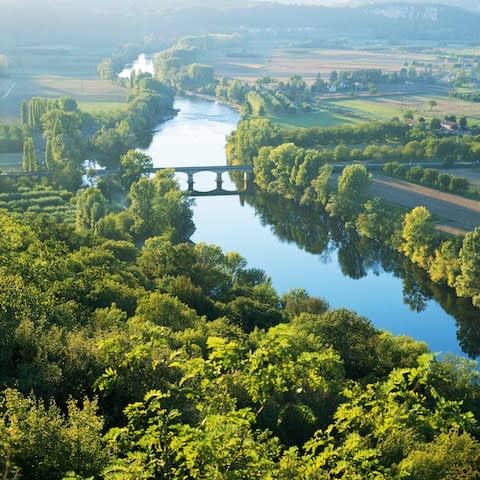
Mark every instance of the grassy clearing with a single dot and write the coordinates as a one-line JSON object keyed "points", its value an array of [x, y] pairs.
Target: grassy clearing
{"points": [[321, 118], [10, 161]]}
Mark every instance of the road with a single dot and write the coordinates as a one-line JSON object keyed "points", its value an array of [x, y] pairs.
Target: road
{"points": [[9, 91]]}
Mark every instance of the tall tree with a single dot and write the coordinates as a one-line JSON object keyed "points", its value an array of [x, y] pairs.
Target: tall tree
{"points": [[29, 160], [468, 283]]}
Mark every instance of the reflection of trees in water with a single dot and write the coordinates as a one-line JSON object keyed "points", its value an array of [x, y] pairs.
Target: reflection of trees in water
{"points": [[317, 233]]}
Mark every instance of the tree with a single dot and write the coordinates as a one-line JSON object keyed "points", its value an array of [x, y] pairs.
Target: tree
{"points": [[133, 165], [157, 206], [321, 185], [435, 124], [353, 188], [341, 153], [377, 221], [432, 103], [29, 160], [445, 265], [413, 150], [105, 69], [468, 283], [354, 183], [91, 208], [418, 236]]}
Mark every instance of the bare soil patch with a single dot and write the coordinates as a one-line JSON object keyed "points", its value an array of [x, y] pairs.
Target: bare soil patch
{"points": [[461, 214]]}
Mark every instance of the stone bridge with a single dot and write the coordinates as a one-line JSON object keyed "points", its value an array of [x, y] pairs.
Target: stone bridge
{"points": [[219, 170]]}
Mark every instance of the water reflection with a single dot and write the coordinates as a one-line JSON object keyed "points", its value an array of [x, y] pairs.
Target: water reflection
{"points": [[318, 234]]}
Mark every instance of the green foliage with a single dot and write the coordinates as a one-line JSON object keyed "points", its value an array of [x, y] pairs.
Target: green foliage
{"points": [[29, 160], [158, 207], [468, 282], [418, 236], [452, 455], [245, 142], [133, 165], [91, 208], [378, 222], [353, 187], [44, 443]]}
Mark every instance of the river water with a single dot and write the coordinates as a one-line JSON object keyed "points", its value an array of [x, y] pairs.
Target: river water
{"points": [[276, 238]]}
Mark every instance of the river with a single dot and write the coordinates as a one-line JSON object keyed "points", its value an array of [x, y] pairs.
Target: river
{"points": [[390, 295]]}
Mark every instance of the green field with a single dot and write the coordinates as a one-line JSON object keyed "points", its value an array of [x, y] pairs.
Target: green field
{"points": [[10, 161], [318, 118], [385, 108]]}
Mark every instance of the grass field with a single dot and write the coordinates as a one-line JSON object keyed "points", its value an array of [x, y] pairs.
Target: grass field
{"points": [[384, 108], [9, 161], [321, 118]]}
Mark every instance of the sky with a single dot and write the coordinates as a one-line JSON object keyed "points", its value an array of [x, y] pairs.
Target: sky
{"points": [[468, 4]]}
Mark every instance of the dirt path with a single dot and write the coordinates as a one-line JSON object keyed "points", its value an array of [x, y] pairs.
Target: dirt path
{"points": [[461, 214]]}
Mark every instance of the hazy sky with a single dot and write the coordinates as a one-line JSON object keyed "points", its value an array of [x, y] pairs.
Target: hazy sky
{"points": [[470, 4]]}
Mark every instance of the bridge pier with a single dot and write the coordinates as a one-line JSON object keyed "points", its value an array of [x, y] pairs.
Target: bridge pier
{"points": [[246, 179], [190, 181], [219, 180]]}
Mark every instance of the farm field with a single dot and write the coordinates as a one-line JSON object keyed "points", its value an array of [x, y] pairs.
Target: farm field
{"points": [[384, 108], [460, 214], [56, 72], [283, 62]]}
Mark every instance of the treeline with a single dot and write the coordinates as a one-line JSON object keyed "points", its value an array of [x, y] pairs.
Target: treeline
{"points": [[165, 359], [179, 66], [150, 102], [69, 136], [300, 174], [428, 176], [469, 96], [365, 76], [374, 141], [11, 139], [31, 111]]}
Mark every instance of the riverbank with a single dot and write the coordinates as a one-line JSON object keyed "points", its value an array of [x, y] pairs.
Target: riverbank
{"points": [[212, 98]]}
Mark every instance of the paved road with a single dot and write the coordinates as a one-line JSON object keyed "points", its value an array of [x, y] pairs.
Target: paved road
{"points": [[461, 214]]}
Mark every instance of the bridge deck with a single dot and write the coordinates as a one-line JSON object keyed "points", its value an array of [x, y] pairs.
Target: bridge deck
{"points": [[208, 168]]}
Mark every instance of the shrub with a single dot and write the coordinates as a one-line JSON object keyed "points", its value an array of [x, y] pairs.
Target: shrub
{"points": [[458, 184]]}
